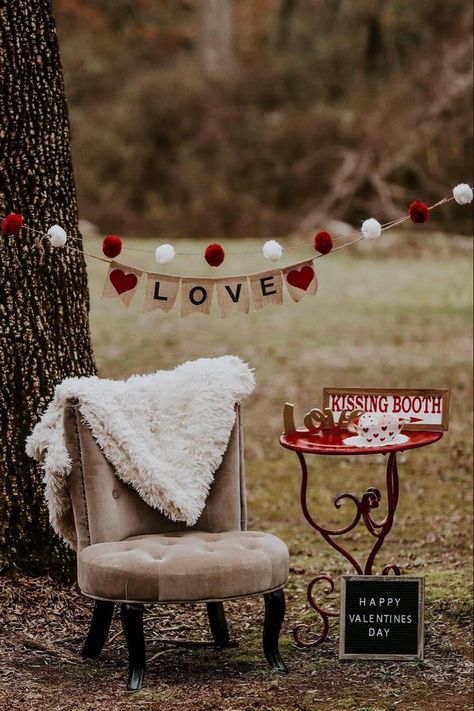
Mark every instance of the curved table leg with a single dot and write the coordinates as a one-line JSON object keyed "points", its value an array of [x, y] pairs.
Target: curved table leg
{"points": [[379, 529]]}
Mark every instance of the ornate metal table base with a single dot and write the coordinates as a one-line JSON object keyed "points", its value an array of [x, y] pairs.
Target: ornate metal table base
{"points": [[378, 529]]}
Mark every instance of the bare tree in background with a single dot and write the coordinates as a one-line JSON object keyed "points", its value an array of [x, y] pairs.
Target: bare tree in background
{"points": [[217, 36], [285, 20], [44, 331]]}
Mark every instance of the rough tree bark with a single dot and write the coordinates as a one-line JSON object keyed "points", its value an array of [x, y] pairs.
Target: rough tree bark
{"points": [[44, 331]]}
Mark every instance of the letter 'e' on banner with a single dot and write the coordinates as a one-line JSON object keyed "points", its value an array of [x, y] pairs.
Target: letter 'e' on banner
{"points": [[233, 295], [267, 288], [196, 295], [301, 280], [161, 292], [121, 283]]}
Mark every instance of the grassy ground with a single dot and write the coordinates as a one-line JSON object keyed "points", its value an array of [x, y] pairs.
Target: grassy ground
{"points": [[379, 319]]}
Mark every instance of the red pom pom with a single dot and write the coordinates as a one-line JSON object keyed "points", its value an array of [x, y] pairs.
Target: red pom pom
{"points": [[418, 211], [214, 255], [112, 246], [323, 242], [12, 224]]}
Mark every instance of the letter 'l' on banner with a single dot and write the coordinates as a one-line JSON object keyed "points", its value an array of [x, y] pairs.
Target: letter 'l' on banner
{"points": [[121, 283], [267, 288], [301, 280], [196, 295], [161, 292], [233, 295]]}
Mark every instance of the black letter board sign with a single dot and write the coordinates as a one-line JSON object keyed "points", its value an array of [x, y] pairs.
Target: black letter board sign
{"points": [[381, 617]]}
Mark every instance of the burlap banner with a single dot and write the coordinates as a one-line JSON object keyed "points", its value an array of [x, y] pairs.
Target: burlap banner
{"points": [[301, 280], [196, 295], [121, 282], [267, 288], [161, 292], [234, 293]]}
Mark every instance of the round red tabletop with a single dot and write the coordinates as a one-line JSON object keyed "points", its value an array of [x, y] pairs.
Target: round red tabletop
{"points": [[329, 442]]}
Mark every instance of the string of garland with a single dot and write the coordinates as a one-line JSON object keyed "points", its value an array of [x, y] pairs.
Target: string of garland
{"points": [[214, 254]]}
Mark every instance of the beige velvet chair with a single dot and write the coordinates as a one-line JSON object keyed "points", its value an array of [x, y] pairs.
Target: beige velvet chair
{"points": [[129, 553]]}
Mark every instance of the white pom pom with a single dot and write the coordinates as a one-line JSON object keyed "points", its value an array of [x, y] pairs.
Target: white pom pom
{"points": [[57, 236], [165, 253], [462, 193], [371, 228], [272, 250]]}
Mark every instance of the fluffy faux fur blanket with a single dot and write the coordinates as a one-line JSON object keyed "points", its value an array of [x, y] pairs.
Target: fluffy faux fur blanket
{"points": [[164, 433]]}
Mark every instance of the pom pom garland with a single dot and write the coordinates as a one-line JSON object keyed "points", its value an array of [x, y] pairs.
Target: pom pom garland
{"points": [[112, 246], [418, 211], [323, 242], [371, 228], [272, 250], [462, 193], [12, 224], [214, 255], [165, 253], [57, 236]]}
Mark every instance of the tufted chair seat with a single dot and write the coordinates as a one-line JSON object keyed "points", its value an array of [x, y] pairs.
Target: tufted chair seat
{"points": [[129, 553], [189, 566]]}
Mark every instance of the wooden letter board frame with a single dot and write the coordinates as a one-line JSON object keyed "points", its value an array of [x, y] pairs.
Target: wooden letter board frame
{"points": [[388, 580]]}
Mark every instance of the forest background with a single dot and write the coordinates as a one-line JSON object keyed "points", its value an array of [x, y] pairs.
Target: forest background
{"points": [[243, 118]]}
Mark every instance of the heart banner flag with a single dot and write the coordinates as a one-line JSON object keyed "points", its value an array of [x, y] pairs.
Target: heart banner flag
{"points": [[234, 294], [121, 282], [301, 280]]}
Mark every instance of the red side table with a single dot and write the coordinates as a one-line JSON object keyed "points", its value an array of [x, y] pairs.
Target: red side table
{"points": [[332, 443]]}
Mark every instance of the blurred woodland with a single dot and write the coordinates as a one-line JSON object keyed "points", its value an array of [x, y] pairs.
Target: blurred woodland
{"points": [[265, 117]]}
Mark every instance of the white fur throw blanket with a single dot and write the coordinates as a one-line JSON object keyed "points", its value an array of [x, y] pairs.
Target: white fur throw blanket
{"points": [[164, 433]]}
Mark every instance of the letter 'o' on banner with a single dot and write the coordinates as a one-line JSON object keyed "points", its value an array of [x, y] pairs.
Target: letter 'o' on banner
{"points": [[267, 288], [121, 283], [161, 292], [301, 280], [196, 295], [233, 295]]}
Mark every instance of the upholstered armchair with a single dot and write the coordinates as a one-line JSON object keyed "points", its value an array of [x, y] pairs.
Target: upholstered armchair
{"points": [[130, 554]]}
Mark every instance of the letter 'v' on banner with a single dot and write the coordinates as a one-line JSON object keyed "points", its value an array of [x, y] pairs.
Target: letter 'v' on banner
{"points": [[196, 295], [233, 295], [161, 292], [301, 280], [121, 282], [267, 288]]}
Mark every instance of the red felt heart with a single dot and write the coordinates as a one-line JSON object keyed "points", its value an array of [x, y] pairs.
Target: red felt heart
{"points": [[301, 278], [122, 282]]}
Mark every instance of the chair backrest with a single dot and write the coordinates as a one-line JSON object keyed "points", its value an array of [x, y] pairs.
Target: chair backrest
{"points": [[106, 509]]}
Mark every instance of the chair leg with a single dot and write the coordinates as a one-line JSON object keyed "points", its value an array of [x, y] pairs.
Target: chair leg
{"points": [[132, 623], [99, 629], [218, 624], [274, 614]]}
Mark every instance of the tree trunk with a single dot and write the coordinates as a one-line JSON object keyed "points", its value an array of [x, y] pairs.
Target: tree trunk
{"points": [[44, 330], [217, 37]]}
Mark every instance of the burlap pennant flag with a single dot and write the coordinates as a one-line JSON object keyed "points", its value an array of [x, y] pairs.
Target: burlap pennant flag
{"points": [[301, 280], [121, 283], [233, 295], [161, 292], [196, 295], [267, 288]]}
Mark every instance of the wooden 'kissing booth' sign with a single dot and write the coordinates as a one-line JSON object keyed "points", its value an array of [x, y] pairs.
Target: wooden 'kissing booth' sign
{"points": [[425, 410]]}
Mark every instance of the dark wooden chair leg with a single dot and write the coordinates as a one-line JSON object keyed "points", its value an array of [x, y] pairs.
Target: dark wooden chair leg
{"points": [[218, 624], [99, 629], [132, 623], [274, 614]]}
